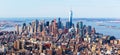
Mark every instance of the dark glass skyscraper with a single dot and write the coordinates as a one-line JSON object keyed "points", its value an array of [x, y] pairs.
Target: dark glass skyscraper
{"points": [[24, 27], [67, 25], [89, 29], [81, 29], [70, 18], [59, 23], [36, 25]]}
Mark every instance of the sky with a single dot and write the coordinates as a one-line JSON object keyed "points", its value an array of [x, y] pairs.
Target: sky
{"points": [[60, 8]]}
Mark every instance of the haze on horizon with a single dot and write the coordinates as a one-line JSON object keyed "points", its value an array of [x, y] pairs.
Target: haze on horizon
{"points": [[60, 8]]}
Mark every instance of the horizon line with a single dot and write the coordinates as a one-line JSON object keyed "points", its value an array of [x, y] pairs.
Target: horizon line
{"points": [[66, 17]]}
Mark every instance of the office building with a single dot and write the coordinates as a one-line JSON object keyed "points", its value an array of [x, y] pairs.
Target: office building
{"points": [[89, 30], [40, 27], [59, 23], [81, 29], [24, 27], [36, 25], [47, 23], [67, 25], [17, 29], [93, 31], [70, 18]]}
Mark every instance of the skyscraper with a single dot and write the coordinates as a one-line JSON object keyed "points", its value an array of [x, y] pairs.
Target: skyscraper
{"points": [[36, 25], [70, 18], [33, 27], [47, 23], [93, 31], [89, 29], [17, 28], [55, 27], [59, 23], [81, 28], [40, 27], [24, 27], [67, 25]]}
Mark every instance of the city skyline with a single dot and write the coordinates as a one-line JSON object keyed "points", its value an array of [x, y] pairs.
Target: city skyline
{"points": [[59, 27], [54, 38], [53, 8]]}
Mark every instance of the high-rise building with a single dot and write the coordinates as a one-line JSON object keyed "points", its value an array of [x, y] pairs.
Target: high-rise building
{"points": [[59, 23], [72, 31], [77, 28], [17, 44], [89, 29], [81, 25], [41, 27], [29, 27], [31, 30], [33, 25], [55, 28], [93, 31], [70, 18], [24, 27], [84, 29], [52, 26], [17, 29], [47, 23], [81, 29], [36, 25], [67, 25], [47, 27]]}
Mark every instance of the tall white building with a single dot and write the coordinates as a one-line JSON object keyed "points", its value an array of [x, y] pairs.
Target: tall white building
{"points": [[70, 18]]}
